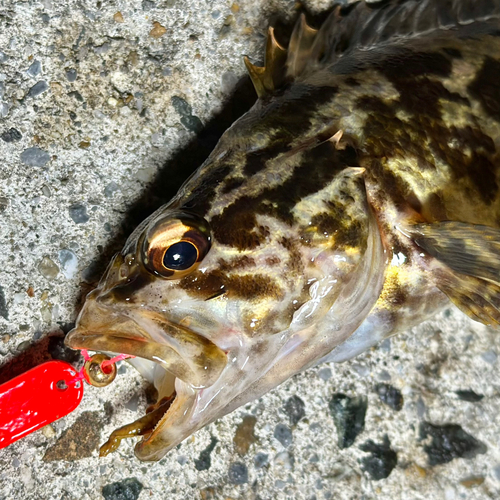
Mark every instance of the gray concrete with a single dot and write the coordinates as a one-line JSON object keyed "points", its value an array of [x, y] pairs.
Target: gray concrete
{"points": [[87, 86]]}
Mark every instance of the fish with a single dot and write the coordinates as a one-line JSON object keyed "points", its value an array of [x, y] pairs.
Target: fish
{"points": [[358, 197]]}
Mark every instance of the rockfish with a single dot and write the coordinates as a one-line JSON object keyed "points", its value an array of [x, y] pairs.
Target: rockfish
{"points": [[358, 197]]}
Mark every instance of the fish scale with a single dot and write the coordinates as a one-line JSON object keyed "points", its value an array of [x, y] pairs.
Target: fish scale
{"points": [[358, 197]]}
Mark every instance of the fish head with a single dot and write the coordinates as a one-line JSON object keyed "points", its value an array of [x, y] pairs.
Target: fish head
{"points": [[266, 259]]}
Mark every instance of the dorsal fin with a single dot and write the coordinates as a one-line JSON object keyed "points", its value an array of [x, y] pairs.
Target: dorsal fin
{"points": [[270, 77], [360, 25], [299, 48]]}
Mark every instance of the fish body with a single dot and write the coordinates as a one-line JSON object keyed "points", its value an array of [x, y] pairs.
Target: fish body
{"points": [[356, 198]]}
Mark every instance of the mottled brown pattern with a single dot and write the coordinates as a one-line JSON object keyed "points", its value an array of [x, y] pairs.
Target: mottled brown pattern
{"points": [[232, 183], [339, 226], [238, 263], [237, 225], [201, 196], [294, 263], [250, 287], [424, 136], [485, 87]]}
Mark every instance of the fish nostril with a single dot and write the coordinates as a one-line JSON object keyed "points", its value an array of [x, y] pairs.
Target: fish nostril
{"points": [[123, 272]]}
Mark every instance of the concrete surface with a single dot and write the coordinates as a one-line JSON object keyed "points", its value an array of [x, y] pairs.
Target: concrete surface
{"points": [[87, 122]]}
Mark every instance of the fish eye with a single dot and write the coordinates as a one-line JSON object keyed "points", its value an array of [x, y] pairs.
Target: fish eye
{"points": [[175, 244]]}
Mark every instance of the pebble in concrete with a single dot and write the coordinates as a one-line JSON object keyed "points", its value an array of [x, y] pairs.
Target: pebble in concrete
{"points": [[78, 212], [128, 489], [35, 157]]}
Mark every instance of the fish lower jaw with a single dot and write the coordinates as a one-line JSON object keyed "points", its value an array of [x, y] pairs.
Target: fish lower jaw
{"points": [[165, 425], [172, 427]]}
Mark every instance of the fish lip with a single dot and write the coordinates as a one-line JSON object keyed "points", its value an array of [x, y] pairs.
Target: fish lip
{"points": [[147, 334]]}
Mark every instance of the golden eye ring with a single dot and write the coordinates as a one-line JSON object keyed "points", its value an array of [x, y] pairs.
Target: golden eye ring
{"points": [[175, 244]]}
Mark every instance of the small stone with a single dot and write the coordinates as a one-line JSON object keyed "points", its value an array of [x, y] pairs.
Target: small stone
{"points": [[385, 345], [244, 436], [490, 356], [473, 481], [15, 462], [384, 375], [382, 461], [283, 434], [71, 75], [421, 409], [76, 95], [2, 90], [3, 57], [496, 472], [34, 69], [158, 30], [390, 396], [118, 17], [449, 442], [48, 268], [69, 263], [103, 48], [238, 473], [469, 396], [360, 369], [78, 212], [203, 462], [46, 191], [192, 123], [4, 312], [260, 460], [110, 189], [285, 460], [23, 346], [79, 441], [48, 431], [295, 409], [84, 145], [128, 489], [133, 403], [325, 374], [280, 485], [147, 5], [4, 203], [11, 135], [348, 416], [37, 89], [35, 157], [181, 106], [4, 109]]}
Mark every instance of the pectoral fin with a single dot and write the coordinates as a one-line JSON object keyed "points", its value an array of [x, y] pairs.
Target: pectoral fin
{"points": [[467, 265]]}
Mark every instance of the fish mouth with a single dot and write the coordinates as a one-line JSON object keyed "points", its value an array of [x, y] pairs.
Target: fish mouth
{"points": [[190, 361]]}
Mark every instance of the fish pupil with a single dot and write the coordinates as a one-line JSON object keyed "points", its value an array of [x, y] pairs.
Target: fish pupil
{"points": [[180, 256]]}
